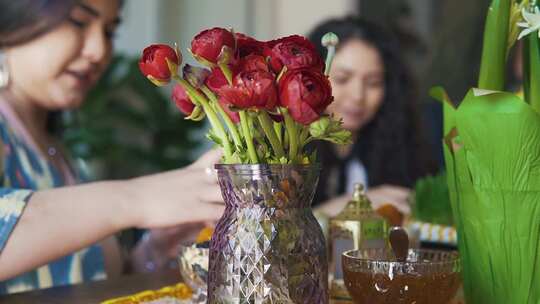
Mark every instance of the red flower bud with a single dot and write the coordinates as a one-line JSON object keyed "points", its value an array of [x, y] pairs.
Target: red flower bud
{"points": [[208, 44], [294, 52], [182, 100], [305, 93], [251, 89], [153, 63], [246, 45]]}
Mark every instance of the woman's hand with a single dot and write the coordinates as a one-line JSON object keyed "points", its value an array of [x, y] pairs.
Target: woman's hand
{"points": [[184, 196], [379, 196], [390, 194], [159, 247], [333, 206]]}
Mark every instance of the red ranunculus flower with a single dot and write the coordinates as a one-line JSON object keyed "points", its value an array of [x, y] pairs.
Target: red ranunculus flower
{"points": [[253, 63], [251, 89], [209, 43], [294, 52], [246, 45], [153, 63], [182, 100], [216, 79], [305, 93]]}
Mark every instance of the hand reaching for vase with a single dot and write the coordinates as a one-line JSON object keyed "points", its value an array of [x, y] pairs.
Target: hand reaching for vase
{"points": [[78, 216], [194, 195], [159, 246]]}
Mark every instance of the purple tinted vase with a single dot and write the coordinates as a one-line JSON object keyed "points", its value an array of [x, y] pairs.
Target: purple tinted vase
{"points": [[268, 246]]}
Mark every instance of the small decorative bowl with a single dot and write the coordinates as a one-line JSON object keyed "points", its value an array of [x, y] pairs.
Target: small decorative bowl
{"points": [[193, 262], [426, 277]]}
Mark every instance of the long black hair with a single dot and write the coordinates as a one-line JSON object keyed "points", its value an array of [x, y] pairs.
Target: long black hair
{"points": [[391, 146]]}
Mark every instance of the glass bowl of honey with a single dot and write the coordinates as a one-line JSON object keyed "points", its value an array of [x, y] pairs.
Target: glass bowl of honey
{"points": [[373, 276]]}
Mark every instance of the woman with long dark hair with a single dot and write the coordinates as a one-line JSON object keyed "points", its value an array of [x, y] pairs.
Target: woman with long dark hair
{"points": [[51, 53], [375, 95]]}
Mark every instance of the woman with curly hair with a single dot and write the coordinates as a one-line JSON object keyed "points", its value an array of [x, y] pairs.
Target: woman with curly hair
{"points": [[375, 95]]}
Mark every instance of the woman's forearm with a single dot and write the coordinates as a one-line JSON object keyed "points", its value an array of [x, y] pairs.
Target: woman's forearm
{"points": [[59, 221]]}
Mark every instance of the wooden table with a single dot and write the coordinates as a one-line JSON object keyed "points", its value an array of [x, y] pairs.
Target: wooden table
{"points": [[95, 292]]}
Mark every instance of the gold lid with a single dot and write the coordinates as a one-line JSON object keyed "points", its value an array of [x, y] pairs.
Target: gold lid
{"points": [[358, 206]]}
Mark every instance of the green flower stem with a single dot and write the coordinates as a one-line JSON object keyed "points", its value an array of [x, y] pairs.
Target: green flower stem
{"points": [[277, 129], [329, 41], [227, 72], [244, 123], [285, 138], [290, 125], [257, 136], [230, 124], [515, 18], [531, 70], [304, 134], [526, 60], [212, 117], [329, 58], [493, 64], [266, 124]]}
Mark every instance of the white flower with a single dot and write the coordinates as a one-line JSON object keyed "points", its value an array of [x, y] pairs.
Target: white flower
{"points": [[532, 22]]}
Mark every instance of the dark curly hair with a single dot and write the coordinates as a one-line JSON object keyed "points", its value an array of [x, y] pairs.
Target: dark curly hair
{"points": [[391, 146]]}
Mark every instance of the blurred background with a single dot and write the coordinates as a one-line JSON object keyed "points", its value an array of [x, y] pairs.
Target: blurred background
{"points": [[128, 127]]}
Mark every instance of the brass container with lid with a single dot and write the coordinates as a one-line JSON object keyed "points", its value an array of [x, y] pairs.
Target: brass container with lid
{"points": [[357, 226]]}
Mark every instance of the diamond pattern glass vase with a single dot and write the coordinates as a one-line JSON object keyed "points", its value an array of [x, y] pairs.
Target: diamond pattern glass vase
{"points": [[268, 246]]}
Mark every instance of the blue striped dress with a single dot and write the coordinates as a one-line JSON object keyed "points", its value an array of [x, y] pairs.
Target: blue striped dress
{"points": [[23, 169]]}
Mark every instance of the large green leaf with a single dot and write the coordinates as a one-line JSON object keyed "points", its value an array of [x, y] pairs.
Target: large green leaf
{"points": [[495, 190], [501, 135]]}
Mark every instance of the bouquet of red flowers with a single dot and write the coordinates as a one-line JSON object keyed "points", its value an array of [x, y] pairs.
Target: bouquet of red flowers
{"points": [[265, 101]]}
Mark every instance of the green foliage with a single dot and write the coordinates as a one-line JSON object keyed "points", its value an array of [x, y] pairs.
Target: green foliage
{"points": [[432, 201], [128, 127], [328, 128], [493, 175]]}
